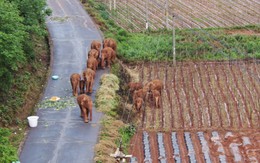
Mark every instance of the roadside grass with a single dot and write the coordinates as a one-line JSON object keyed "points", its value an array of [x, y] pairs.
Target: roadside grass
{"points": [[113, 128]]}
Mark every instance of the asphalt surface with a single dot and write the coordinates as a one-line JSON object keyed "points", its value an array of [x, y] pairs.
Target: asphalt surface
{"points": [[61, 135]]}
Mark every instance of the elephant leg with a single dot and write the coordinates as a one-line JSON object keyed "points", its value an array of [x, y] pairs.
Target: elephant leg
{"points": [[74, 91], [85, 115], [81, 112], [90, 111], [91, 86], [108, 63], [87, 86]]}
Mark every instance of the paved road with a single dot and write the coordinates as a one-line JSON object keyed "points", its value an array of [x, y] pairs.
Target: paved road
{"points": [[61, 136]]}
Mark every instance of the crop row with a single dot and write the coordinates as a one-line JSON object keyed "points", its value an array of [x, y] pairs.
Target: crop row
{"points": [[204, 95], [198, 14], [211, 146]]}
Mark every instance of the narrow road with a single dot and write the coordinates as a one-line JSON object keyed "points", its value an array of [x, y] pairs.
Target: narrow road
{"points": [[61, 135]]}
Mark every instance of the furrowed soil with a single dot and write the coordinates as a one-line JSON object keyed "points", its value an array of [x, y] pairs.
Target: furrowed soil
{"points": [[210, 111]]}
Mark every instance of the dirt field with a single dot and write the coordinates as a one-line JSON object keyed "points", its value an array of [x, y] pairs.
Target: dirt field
{"points": [[210, 113]]}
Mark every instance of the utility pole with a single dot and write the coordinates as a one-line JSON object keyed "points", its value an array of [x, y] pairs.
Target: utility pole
{"points": [[110, 5], [146, 15], [166, 13], [114, 4], [173, 41]]}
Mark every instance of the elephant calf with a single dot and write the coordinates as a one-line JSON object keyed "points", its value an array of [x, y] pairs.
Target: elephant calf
{"points": [[89, 76], [74, 80], [85, 105]]}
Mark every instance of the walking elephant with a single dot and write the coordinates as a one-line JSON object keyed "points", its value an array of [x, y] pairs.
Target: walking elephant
{"points": [[109, 42], [155, 84], [132, 86], [93, 53], [92, 63], [85, 104], [74, 80], [89, 76], [107, 55], [82, 84], [96, 45]]}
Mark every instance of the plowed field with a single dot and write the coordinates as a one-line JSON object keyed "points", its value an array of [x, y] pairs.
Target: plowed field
{"points": [[210, 113]]}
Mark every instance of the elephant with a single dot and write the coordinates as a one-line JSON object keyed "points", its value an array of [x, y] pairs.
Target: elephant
{"points": [[109, 42], [154, 84], [74, 80], [107, 55], [156, 98], [132, 86], [92, 63], [85, 104], [82, 86], [89, 76], [93, 53], [138, 103], [96, 45], [139, 93]]}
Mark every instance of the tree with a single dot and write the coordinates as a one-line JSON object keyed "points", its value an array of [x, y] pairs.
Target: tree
{"points": [[12, 36]]}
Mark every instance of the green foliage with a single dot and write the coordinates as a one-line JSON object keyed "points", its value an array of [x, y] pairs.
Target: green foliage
{"points": [[7, 152], [63, 103], [12, 35], [127, 132], [20, 20], [34, 13]]}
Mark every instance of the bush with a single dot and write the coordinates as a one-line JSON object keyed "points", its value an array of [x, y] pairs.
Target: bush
{"points": [[7, 152]]}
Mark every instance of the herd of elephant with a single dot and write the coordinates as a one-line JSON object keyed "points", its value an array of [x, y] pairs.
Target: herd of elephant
{"points": [[149, 92], [83, 83]]}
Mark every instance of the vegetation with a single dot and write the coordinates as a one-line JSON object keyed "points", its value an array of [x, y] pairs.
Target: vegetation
{"points": [[22, 37], [7, 150], [24, 60], [191, 44], [107, 101]]}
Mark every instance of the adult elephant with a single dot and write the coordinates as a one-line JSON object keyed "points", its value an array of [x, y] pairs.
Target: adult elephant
{"points": [[107, 56], [92, 63], [89, 76], [85, 104], [74, 80], [96, 45], [109, 42], [154, 84]]}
